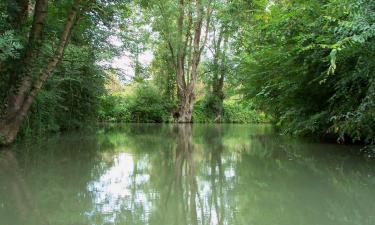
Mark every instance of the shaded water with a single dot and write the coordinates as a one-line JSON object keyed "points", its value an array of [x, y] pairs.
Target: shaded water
{"points": [[185, 175]]}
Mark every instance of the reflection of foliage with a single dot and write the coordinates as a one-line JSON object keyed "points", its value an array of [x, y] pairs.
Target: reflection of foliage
{"points": [[244, 174], [56, 173], [200, 174]]}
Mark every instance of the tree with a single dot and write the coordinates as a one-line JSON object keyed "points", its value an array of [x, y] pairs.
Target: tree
{"points": [[22, 93], [313, 76], [36, 51], [135, 35], [181, 28], [217, 64]]}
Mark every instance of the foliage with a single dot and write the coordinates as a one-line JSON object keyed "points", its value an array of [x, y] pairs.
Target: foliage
{"points": [[234, 111], [163, 73], [145, 104], [114, 108], [69, 99], [9, 45], [310, 65]]}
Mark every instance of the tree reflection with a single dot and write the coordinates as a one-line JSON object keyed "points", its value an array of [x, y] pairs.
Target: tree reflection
{"points": [[196, 190], [186, 184], [186, 175], [24, 209], [214, 140], [183, 194]]}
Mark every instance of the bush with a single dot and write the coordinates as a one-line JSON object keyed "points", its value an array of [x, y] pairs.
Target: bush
{"points": [[314, 81], [144, 105], [148, 105], [114, 108], [233, 112]]}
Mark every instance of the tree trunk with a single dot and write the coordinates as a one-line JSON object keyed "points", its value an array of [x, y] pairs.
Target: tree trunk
{"points": [[218, 93], [180, 73], [186, 91], [19, 102], [218, 105], [186, 107], [24, 8], [218, 79], [18, 91]]}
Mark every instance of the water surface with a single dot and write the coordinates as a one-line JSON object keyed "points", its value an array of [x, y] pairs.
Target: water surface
{"points": [[185, 175]]}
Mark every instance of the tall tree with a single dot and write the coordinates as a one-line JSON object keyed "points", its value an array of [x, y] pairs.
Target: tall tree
{"points": [[221, 26], [189, 50], [27, 85], [184, 27], [218, 61], [220, 46]]}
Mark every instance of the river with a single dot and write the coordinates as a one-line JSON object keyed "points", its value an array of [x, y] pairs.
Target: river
{"points": [[185, 175]]}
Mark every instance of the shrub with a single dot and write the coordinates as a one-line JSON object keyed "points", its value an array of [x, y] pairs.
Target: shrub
{"points": [[233, 112], [144, 105], [147, 105], [114, 108]]}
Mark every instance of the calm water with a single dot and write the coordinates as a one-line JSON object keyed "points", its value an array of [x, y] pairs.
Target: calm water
{"points": [[185, 175]]}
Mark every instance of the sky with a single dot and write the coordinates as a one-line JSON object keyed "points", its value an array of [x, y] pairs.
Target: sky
{"points": [[124, 62]]}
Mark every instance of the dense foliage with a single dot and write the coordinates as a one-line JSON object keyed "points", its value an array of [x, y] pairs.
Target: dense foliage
{"points": [[310, 65], [145, 104], [70, 97]]}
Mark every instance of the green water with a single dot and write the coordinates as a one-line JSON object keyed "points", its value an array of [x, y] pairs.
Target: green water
{"points": [[182, 175]]}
